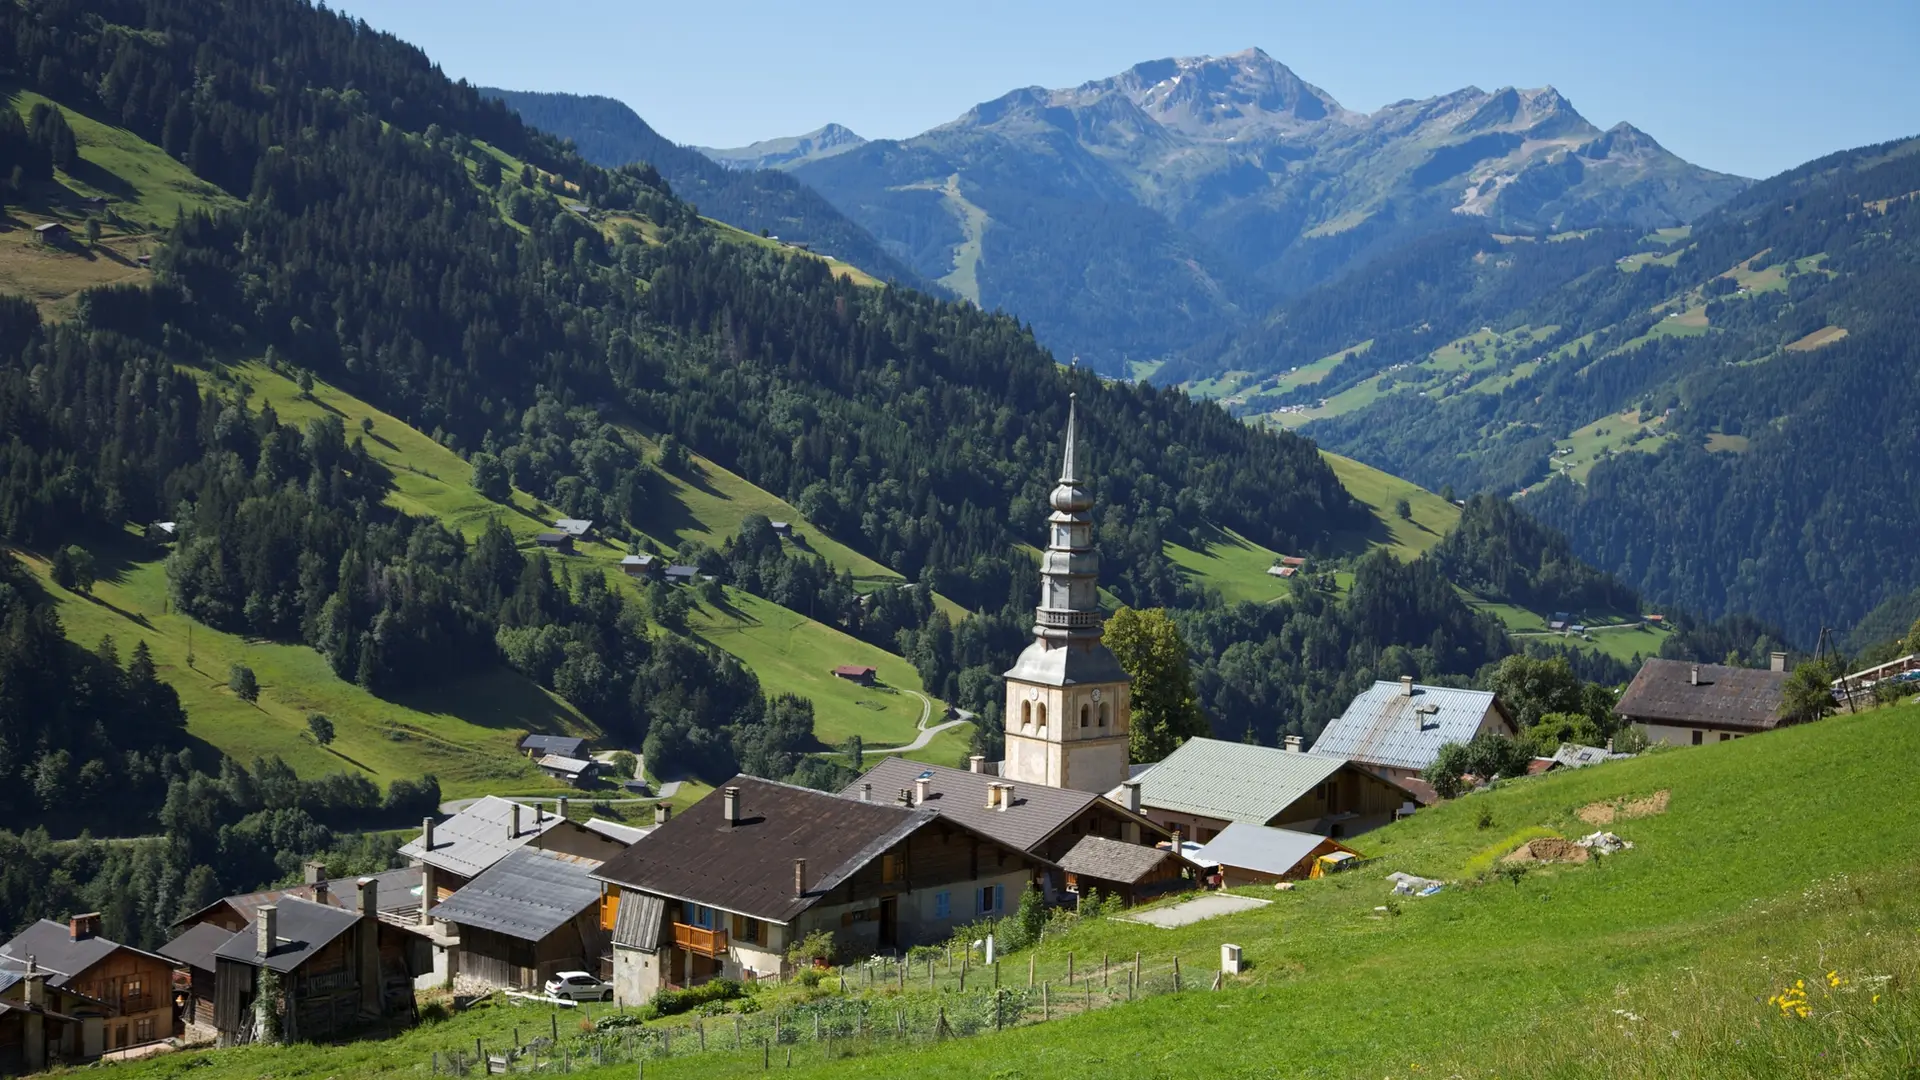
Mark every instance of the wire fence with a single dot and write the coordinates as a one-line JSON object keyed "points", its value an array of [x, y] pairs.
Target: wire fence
{"points": [[881, 1003]]}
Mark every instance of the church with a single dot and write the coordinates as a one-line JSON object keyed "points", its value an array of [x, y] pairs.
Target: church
{"points": [[1067, 713]]}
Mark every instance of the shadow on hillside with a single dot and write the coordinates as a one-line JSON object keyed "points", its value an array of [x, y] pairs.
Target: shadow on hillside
{"points": [[99, 178], [667, 513], [501, 699]]}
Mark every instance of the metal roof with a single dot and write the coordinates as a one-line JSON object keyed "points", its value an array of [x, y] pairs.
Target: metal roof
{"points": [[565, 745], [196, 947], [1387, 726], [481, 835], [1233, 781], [1037, 811], [574, 526], [1735, 698], [301, 928], [614, 830], [1113, 860], [571, 765], [1260, 848], [1067, 665], [527, 895]]}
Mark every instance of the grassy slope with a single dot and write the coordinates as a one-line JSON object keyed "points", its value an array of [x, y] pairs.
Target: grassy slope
{"points": [[1433, 516], [1780, 858], [1233, 564]]}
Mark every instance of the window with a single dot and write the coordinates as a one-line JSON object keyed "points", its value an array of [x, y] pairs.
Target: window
{"points": [[992, 899], [695, 915], [1084, 713], [1698, 737], [1042, 711], [893, 867], [1103, 714], [1724, 736], [1026, 714], [943, 905], [143, 1030], [747, 930], [1062, 536]]}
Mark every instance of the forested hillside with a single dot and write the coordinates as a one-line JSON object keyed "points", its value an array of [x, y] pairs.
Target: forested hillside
{"points": [[610, 134]]}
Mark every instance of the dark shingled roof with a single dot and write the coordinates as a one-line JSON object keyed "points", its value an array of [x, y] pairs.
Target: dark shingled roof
{"points": [[399, 890], [1037, 811], [301, 928], [196, 947], [1113, 860], [527, 895], [564, 745], [52, 947], [748, 869], [1730, 698]]}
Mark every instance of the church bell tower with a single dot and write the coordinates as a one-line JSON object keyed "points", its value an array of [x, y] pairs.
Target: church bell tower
{"points": [[1067, 704]]}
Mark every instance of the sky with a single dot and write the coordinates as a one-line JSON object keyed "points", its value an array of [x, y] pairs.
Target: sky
{"points": [[1750, 87]]}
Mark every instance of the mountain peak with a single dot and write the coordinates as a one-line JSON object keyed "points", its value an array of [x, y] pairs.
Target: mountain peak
{"points": [[824, 141], [1218, 96]]}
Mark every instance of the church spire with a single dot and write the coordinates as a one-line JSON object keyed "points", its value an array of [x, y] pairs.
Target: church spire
{"points": [[1069, 608], [1066, 467]]}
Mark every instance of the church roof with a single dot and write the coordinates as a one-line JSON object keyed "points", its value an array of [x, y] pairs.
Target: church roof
{"points": [[1067, 665]]}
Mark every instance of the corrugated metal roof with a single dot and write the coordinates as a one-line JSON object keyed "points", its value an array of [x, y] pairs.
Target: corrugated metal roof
{"points": [[1739, 699], [1233, 781], [479, 836], [1260, 848], [527, 895], [1386, 726], [1113, 860], [301, 928], [1036, 812], [637, 925]]}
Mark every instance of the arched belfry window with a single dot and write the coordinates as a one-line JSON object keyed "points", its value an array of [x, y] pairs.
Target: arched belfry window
{"points": [[1084, 715], [1042, 710], [1103, 714], [1026, 714]]}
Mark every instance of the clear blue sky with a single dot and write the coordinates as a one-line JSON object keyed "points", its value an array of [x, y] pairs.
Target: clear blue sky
{"points": [[1750, 87]]}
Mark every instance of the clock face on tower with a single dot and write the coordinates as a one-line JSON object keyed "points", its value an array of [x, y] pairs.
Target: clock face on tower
{"points": [[1096, 695]]}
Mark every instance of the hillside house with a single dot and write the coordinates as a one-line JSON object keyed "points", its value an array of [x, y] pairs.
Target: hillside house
{"points": [[539, 746], [1247, 854], [555, 541], [527, 917], [578, 772], [1208, 784], [722, 889], [645, 567], [782, 529], [1398, 728], [1043, 821], [577, 528], [1685, 704], [678, 574], [128, 990], [1135, 873], [43, 1026], [52, 233], [333, 969], [857, 673]]}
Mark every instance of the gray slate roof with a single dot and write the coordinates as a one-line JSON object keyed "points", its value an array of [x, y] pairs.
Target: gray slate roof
{"points": [[1384, 726], [1233, 781], [1036, 813], [52, 947], [196, 947], [301, 928], [1113, 860], [1734, 698], [1067, 665], [527, 895], [477, 837], [564, 745], [1260, 848]]}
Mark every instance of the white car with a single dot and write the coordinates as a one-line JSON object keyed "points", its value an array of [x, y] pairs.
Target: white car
{"points": [[578, 986]]}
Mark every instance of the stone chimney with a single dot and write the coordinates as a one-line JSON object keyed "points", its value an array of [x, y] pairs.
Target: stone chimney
{"points": [[1133, 795], [905, 797], [1693, 676], [266, 930], [662, 813], [866, 792], [1779, 661], [320, 892], [993, 794], [1406, 686], [922, 790], [426, 834], [730, 802], [977, 763], [315, 871], [513, 821], [1294, 746], [369, 897], [35, 990], [82, 927], [1176, 840], [561, 807], [1006, 796], [799, 878]]}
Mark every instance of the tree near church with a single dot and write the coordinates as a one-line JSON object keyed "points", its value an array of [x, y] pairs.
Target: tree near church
{"points": [[1166, 712], [1808, 692]]}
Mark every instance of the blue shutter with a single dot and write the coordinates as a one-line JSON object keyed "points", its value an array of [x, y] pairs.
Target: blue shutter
{"points": [[999, 898], [942, 905]]}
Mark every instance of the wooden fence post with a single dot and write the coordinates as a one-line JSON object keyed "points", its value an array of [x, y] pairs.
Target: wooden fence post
{"points": [[1029, 971], [1136, 965], [553, 1025], [996, 974], [1176, 974], [1129, 984], [1046, 1010], [1069, 967], [1103, 971]]}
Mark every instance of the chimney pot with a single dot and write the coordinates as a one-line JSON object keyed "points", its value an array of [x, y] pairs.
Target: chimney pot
{"points": [[1779, 661], [866, 792], [1693, 676], [266, 930], [1294, 745], [561, 807], [905, 797], [1006, 796], [82, 927], [426, 834], [315, 870], [369, 897], [922, 790], [513, 821], [993, 794], [1406, 685], [1133, 795], [730, 800], [320, 891], [662, 813], [977, 763], [799, 878]]}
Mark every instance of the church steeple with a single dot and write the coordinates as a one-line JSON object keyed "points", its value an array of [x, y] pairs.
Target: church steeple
{"points": [[1068, 716]]}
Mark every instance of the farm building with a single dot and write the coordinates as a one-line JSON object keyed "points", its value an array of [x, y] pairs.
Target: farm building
{"points": [[527, 917], [555, 541], [859, 673], [640, 566], [539, 746], [1135, 873], [1398, 728], [1257, 855], [579, 772], [1685, 704], [682, 575], [578, 528], [1207, 784], [52, 233]]}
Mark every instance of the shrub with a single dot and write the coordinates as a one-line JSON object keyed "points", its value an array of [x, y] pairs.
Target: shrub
{"points": [[241, 681], [817, 944], [675, 1002]]}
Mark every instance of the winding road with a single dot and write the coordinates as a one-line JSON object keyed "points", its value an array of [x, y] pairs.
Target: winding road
{"points": [[920, 741]]}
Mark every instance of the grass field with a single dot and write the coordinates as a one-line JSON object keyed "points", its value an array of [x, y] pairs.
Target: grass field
{"points": [[1433, 516], [463, 731], [1826, 335], [146, 186], [1234, 565], [1777, 861], [1577, 454]]}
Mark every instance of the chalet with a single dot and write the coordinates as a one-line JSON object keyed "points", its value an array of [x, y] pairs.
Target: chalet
{"points": [[1398, 728], [453, 852], [162, 531], [640, 566], [527, 917], [1295, 561], [1043, 821], [1208, 784], [42, 1026], [331, 970], [578, 772], [578, 528], [94, 202], [859, 673], [128, 989], [1135, 873], [678, 574], [723, 889], [1282, 571], [1680, 703], [1257, 855], [782, 529], [52, 233], [555, 541], [539, 746]]}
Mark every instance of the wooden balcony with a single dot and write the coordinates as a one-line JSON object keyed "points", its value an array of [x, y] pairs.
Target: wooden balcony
{"points": [[696, 939]]}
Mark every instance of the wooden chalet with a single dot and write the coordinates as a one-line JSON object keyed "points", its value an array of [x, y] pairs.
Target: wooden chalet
{"points": [[857, 673], [127, 990], [529, 916], [1134, 873]]}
